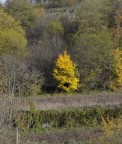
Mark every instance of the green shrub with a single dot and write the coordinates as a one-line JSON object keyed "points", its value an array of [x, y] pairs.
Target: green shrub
{"points": [[65, 118]]}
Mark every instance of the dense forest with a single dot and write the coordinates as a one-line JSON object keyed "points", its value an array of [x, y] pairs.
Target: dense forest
{"points": [[52, 48], [57, 56]]}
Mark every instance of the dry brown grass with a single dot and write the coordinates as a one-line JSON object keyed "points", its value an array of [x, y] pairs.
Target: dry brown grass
{"points": [[77, 100], [64, 101], [61, 137]]}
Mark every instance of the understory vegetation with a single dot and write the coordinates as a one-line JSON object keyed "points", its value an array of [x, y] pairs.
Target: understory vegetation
{"points": [[77, 126], [66, 118]]}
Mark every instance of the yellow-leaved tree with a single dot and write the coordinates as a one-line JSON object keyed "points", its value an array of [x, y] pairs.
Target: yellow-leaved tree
{"points": [[65, 73], [117, 70]]}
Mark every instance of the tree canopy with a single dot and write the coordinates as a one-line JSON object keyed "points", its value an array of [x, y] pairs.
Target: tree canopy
{"points": [[25, 12], [65, 73], [12, 36]]}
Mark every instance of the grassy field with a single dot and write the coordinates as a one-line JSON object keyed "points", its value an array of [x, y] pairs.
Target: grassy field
{"points": [[93, 125], [83, 135], [69, 125], [45, 102]]}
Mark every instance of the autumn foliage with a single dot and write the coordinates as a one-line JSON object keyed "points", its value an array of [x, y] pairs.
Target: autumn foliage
{"points": [[65, 73], [117, 69]]}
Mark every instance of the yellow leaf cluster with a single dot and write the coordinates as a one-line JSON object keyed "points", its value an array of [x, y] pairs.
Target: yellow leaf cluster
{"points": [[108, 126], [111, 126], [64, 73], [117, 69]]}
